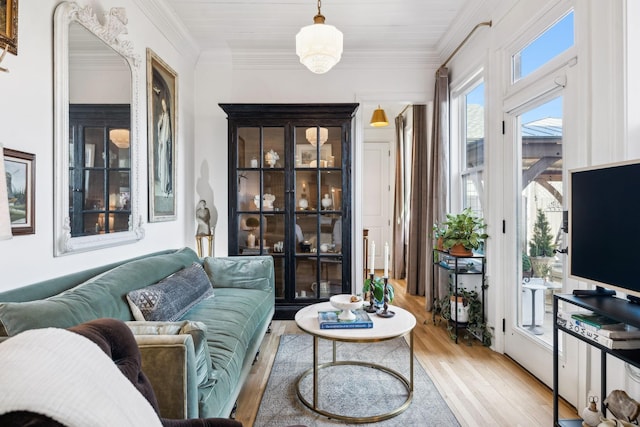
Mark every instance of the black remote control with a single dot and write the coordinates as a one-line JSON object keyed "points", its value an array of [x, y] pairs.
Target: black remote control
{"points": [[593, 292]]}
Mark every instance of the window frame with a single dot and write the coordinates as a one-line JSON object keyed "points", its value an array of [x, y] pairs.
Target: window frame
{"points": [[459, 171], [533, 31]]}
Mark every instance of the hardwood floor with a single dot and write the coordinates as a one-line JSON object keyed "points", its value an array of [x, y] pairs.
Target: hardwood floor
{"points": [[482, 387]]}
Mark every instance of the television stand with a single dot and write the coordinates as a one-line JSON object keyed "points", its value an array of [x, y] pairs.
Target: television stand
{"points": [[600, 292]]}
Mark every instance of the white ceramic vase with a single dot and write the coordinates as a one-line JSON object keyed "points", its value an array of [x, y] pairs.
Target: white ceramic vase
{"points": [[326, 202], [303, 203]]}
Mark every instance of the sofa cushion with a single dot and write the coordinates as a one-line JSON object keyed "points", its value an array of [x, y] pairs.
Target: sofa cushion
{"points": [[232, 318], [171, 297], [236, 272], [197, 330], [101, 296]]}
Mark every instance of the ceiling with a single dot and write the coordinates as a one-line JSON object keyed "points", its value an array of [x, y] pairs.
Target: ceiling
{"points": [[379, 33], [412, 29]]}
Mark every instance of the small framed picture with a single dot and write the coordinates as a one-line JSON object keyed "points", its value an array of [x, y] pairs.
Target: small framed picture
{"points": [[162, 108], [9, 26], [20, 170], [306, 155]]}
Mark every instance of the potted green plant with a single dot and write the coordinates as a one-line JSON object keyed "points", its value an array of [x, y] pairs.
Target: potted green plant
{"points": [[476, 325], [438, 235], [378, 289], [464, 233], [541, 246]]}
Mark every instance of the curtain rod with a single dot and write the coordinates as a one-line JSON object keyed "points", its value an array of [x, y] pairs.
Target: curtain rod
{"points": [[481, 24], [406, 107], [444, 64]]}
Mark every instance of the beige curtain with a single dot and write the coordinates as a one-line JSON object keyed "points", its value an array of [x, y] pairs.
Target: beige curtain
{"points": [[418, 255], [436, 191], [400, 226]]}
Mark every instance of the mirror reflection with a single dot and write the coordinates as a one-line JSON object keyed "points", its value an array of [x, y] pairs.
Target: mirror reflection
{"points": [[96, 200], [99, 137]]}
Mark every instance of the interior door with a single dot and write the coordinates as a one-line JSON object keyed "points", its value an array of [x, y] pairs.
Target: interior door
{"points": [[377, 203]]}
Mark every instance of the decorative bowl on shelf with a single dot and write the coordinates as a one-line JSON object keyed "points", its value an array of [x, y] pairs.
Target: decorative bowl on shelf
{"points": [[343, 302]]}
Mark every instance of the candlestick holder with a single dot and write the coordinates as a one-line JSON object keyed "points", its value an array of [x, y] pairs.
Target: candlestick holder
{"points": [[384, 311], [371, 297]]}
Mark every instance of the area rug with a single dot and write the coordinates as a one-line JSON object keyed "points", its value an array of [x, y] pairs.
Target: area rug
{"points": [[353, 390]]}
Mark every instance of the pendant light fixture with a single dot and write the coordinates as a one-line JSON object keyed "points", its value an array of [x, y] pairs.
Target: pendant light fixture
{"points": [[312, 136], [379, 118], [319, 45]]}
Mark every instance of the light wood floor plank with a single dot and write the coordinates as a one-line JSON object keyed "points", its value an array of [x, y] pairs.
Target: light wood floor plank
{"points": [[482, 387]]}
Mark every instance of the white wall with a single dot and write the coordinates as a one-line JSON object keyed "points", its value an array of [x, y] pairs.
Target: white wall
{"points": [[26, 124], [218, 82]]}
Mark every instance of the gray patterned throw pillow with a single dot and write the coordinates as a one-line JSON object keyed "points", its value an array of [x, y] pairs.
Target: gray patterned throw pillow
{"points": [[172, 297]]}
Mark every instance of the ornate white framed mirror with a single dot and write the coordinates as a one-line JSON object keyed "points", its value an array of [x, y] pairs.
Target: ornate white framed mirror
{"points": [[96, 116]]}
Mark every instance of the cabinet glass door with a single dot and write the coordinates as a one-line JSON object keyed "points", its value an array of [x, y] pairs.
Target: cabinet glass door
{"points": [[318, 190], [261, 196], [99, 169]]}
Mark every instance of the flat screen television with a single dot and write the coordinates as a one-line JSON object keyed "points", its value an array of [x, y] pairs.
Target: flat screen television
{"points": [[604, 226]]}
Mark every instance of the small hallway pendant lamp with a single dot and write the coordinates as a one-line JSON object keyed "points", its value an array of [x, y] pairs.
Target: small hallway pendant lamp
{"points": [[379, 118], [319, 45], [5, 219]]}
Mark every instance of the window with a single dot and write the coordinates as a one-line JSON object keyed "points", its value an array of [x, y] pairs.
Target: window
{"points": [[555, 40], [472, 146]]}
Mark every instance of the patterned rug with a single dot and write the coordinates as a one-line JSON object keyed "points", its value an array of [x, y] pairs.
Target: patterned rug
{"points": [[353, 390]]}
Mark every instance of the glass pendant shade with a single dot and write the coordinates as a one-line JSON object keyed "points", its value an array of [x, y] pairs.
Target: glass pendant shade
{"points": [[5, 218], [319, 45], [120, 137], [312, 135], [379, 118]]}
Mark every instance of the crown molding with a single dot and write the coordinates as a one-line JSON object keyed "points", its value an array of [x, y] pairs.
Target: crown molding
{"points": [[474, 12], [166, 21], [280, 59]]}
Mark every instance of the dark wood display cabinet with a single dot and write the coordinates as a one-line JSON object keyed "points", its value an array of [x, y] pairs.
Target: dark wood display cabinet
{"points": [[290, 196], [99, 168]]}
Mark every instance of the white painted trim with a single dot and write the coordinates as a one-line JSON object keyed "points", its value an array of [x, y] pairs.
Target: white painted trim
{"points": [[171, 26]]}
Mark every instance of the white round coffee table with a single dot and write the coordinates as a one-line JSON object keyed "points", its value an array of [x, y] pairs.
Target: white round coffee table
{"points": [[383, 329]]}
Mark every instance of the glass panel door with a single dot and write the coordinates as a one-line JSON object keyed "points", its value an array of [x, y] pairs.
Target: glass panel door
{"points": [[318, 190], [536, 130], [260, 204], [540, 217]]}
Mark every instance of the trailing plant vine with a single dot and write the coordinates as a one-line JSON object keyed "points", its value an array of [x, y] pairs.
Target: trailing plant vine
{"points": [[476, 327]]}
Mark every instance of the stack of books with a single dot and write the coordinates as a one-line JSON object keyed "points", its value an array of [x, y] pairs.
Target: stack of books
{"points": [[600, 329], [329, 320]]}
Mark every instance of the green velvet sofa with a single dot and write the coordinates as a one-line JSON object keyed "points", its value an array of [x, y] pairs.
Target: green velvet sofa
{"points": [[198, 363]]}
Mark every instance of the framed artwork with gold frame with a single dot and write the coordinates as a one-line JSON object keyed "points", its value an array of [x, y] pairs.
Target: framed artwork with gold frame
{"points": [[162, 109], [9, 25]]}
